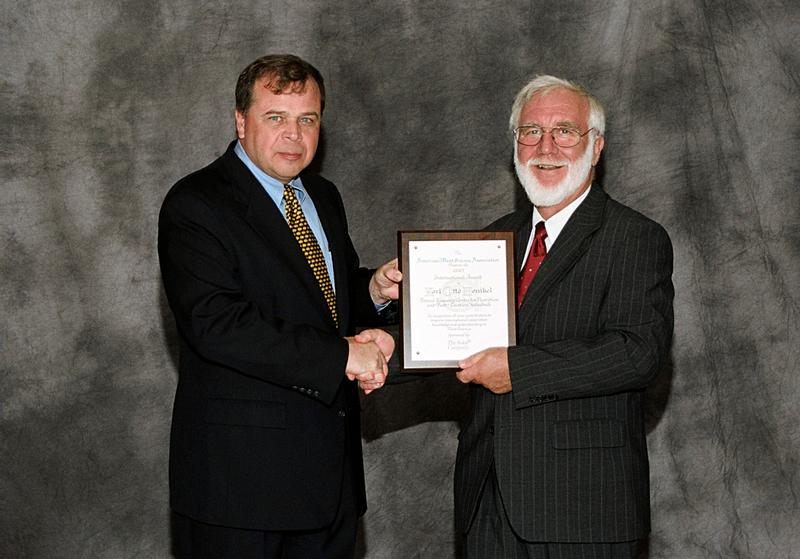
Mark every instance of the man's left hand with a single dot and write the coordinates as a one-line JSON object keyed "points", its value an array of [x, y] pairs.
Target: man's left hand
{"points": [[488, 368], [384, 285]]}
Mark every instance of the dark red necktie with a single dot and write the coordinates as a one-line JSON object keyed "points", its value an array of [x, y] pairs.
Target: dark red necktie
{"points": [[534, 260]]}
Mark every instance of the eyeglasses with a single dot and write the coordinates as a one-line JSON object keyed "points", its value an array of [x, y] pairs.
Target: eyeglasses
{"points": [[563, 136]]}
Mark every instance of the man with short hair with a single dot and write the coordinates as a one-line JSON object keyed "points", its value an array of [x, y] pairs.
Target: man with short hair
{"points": [[265, 287], [552, 461]]}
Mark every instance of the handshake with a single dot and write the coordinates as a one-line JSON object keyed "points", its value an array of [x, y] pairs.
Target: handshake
{"points": [[368, 358], [370, 351]]}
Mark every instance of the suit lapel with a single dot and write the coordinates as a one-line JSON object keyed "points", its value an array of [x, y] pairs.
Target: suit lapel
{"points": [[521, 236], [568, 248], [265, 218]]}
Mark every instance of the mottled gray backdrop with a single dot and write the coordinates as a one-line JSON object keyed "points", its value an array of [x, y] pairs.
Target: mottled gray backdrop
{"points": [[106, 103]]}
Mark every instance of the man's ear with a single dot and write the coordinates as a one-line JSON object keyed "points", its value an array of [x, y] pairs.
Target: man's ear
{"points": [[239, 124], [597, 148]]}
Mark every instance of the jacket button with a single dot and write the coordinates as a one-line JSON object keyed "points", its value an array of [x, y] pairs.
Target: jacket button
{"points": [[341, 413], [491, 429]]}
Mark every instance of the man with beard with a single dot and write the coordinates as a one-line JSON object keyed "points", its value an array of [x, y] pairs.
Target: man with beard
{"points": [[552, 461]]}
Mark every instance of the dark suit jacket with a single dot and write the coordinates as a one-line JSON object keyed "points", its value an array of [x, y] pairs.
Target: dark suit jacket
{"points": [[263, 415], [568, 442]]}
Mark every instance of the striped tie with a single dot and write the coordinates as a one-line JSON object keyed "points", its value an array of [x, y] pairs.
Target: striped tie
{"points": [[310, 247]]}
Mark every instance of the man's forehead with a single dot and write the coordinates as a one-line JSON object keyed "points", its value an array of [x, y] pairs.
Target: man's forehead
{"points": [[272, 83], [294, 96], [562, 101]]}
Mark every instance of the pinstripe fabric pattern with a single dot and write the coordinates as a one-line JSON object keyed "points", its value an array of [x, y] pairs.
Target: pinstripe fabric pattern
{"points": [[568, 442], [491, 536]]}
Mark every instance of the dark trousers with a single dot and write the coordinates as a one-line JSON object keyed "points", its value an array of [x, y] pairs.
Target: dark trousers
{"points": [[193, 539], [491, 537]]}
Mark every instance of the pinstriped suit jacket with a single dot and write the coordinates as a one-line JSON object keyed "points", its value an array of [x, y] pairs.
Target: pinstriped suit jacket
{"points": [[568, 442]]}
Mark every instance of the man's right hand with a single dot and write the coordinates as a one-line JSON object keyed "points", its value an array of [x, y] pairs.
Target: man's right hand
{"points": [[368, 357], [365, 361], [384, 340]]}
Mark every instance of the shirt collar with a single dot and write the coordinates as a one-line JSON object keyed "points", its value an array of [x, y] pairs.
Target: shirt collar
{"points": [[556, 223]]}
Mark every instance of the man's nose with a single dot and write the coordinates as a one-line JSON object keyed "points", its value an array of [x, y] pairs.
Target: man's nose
{"points": [[547, 144], [292, 129]]}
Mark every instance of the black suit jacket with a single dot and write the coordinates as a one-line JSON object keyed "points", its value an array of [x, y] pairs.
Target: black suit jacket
{"points": [[568, 442], [263, 415]]}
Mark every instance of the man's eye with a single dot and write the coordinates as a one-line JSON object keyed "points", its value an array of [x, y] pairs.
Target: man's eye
{"points": [[307, 121], [275, 118], [565, 131], [533, 132]]}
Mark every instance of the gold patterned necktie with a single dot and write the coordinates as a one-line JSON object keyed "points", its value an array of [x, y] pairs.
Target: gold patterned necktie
{"points": [[310, 247]]}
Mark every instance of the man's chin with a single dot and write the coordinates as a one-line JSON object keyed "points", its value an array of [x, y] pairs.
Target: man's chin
{"points": [[549, 179], [546, 195], [543, 199], [543, 196]]}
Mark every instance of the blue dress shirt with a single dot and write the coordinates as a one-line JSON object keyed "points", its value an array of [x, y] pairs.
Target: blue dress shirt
{"points": [[274, 189]]}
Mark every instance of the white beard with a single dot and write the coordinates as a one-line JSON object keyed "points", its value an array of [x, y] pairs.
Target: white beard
{"points": [[546, 196]]}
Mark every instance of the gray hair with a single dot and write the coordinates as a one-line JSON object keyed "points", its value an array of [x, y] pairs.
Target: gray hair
{"points": [[544, 84]]}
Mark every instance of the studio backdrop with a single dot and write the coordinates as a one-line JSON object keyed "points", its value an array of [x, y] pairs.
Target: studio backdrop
{"points": [[104, 105]]}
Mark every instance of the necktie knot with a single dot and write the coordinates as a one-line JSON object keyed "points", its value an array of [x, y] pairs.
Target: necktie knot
{"points": [[540, 248], [291, 204]]}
